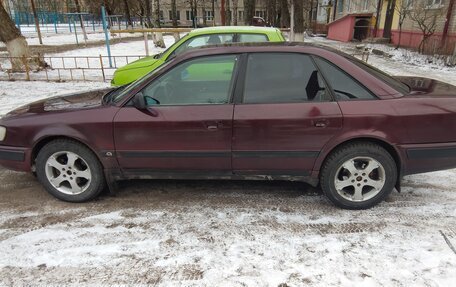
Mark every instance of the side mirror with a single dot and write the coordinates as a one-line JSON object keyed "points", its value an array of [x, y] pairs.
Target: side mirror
{"points": [[139, 101]]}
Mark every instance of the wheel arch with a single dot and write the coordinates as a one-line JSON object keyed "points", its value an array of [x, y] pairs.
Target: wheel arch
{"points": [[390, 148], [39, 144]]}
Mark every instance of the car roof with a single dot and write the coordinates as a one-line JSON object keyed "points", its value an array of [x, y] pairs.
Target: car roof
{"points": [[228, 48], [233, 29]]}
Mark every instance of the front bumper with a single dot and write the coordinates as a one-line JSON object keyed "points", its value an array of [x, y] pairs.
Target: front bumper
{"points": [[15, 158]]}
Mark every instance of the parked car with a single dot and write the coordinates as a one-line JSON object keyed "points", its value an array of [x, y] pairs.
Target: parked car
{"points": [[259, 22], [327, 119], [195, 38]]}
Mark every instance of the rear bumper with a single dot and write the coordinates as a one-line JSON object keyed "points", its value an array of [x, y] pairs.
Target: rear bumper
{"points": [[428, 157], [15, 158]]}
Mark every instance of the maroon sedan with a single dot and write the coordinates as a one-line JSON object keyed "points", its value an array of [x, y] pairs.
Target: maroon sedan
{"points": [[288, 111]]}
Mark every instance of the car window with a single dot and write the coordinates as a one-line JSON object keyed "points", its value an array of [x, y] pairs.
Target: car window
{"points": [[344, 87], [283, 78], [200, 81], [203, 40], [249, 38]]}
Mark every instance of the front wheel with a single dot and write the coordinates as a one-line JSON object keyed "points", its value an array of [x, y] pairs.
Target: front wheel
{"points": [[69, 171], [358, 176]]}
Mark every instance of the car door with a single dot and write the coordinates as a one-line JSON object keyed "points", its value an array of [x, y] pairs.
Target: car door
{"points": [[283, 116], [187, 126]]}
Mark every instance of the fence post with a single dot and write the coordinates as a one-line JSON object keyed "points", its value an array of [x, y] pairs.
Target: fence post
{"points": [[105, 29], [102, 69], [27, 69], [146, 44]]}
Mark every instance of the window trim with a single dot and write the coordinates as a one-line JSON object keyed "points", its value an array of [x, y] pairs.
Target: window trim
{"points": [[240, 88], [375, 97], [230, 91]]}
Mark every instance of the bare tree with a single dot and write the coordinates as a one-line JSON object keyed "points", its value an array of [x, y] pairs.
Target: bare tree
{"points": [[174, 12], [228, 13], [298, 17], [235, 12], [389, 18], [402, 10], [148, 14], [426, 19], [81, 21], [16, 45], [249, 11], [127, 13], [37, 21]]}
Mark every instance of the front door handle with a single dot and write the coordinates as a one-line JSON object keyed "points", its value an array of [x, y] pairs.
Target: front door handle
{"points": [[213, 126]]}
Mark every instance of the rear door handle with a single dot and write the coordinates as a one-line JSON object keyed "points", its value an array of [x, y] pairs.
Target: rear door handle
{"points": [[321, 123]]}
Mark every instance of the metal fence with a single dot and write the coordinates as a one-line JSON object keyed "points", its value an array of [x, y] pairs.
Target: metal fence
{"points": [[67, 68]]}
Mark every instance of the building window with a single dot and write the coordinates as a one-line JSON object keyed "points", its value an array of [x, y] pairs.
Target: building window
{"points": [[340, 6], [261, 14], [188, 15], [162, 15], [434, 3], [208, 14], [177, 15], [240, 15]]}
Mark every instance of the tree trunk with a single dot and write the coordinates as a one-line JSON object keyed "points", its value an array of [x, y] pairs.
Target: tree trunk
{"points": [[148, 14], [284, 14], [127, 13], [249, 11], [157, 13], [16, 45], [400, 36], [298, 20], [37, 21], [228, 13], [235, 12], [222, 12], [78, 9], [173, 12], [389, 19], [203, 9], [158, 37]]}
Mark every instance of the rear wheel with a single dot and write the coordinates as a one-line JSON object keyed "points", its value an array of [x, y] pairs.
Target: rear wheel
{"points": [[69, 171], [358, 176]]}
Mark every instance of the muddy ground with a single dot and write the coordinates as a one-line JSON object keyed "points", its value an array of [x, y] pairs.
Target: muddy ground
{"points": [[227, 233]]}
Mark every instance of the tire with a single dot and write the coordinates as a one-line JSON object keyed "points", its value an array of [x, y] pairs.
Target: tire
{"points": [[69, 171], [358, 175]]}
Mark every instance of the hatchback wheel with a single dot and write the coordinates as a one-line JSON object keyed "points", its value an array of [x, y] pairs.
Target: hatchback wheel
{"points": [[358, 176], [69, 171]]}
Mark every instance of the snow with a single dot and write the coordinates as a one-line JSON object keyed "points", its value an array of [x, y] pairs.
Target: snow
{"points": [[16, 94], [219, 233]]}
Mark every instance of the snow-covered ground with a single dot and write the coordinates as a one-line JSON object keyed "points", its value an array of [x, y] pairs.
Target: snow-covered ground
{"points": [[218, 233]]}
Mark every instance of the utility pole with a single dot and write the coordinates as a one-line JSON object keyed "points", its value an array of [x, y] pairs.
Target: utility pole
{"points": [[37, 21]]}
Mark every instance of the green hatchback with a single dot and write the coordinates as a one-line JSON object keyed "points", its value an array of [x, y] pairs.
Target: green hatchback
{"points": [[196, 38]]}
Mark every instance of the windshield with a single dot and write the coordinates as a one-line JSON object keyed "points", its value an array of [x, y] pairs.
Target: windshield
{"points": [[126, 90], [158, 56]]}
